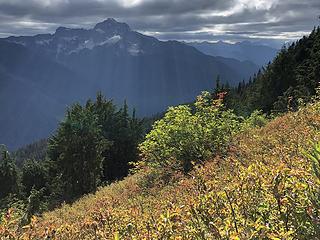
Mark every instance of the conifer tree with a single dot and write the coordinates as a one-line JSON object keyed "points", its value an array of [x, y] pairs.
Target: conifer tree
{"points": [[8, 174], [77, 149]]}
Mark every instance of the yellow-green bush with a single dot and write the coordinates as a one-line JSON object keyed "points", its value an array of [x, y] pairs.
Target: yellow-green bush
{"points": [[183, 136]]}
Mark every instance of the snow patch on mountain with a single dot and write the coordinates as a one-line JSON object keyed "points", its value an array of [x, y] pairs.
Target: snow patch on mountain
{"points": [[18, 42], [91, 44], [134, 50], [60, 49], [112, 40], [67, 39], [99, 30], [44, 42]]}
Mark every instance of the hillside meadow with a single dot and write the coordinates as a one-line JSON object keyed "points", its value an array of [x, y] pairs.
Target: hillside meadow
{"points": [[267, 186]]}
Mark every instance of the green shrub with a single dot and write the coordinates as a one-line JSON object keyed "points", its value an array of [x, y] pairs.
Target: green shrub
{"points": [[256, 119], [184, 136]]}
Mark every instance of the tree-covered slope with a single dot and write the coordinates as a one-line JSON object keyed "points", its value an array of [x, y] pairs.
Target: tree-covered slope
{"points": [[294, 74], [265, 187]]}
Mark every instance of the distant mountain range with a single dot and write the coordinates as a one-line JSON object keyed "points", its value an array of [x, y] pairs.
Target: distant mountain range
{"points": [[41, 75], [243, 51]]}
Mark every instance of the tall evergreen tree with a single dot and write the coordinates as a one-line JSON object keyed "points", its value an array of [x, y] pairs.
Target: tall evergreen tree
{"points": [[77, 149], [34, 175], [124, 132], [8, 174]]}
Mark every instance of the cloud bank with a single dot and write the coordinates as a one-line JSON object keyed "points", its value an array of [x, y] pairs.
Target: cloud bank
{"points": [[189, 20]]}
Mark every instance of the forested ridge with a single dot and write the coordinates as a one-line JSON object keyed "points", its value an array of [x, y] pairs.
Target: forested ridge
{"points": [[238, 163], [288, 81]]}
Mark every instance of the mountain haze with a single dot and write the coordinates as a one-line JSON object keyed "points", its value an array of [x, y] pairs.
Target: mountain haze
{"points": [[243, 51], [41, 75]]}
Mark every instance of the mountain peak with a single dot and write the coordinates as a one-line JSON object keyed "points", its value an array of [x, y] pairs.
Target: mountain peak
{"points": [[61, 29], [111, 24]]}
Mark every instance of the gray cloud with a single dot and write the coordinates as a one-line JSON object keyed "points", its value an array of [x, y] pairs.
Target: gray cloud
{"points": [[230, 20]]}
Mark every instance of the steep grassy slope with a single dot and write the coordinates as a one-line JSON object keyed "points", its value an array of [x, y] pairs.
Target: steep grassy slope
{"points": [[263, 189]]}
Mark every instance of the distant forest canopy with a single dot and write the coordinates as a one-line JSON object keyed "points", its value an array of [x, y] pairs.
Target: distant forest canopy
{"points": [[36, 151]]}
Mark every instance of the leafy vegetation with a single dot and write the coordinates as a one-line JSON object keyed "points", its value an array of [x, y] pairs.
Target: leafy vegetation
{"points": [[265, 187], [183, 137]]}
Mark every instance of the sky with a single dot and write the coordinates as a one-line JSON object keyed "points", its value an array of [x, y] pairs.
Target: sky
{"points": [[266, 21]]}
